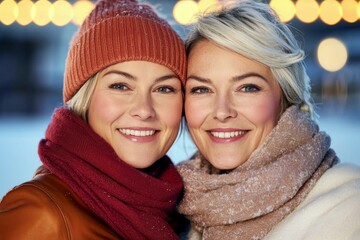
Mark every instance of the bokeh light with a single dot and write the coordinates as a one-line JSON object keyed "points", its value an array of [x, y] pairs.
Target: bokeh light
{"points": [[24, 9], [40, 12], [8, 12], [284, 8], [81, 11], [307, 11], [330, 12], [185, 12], [349, 10], [332, 54], [61, 13]]}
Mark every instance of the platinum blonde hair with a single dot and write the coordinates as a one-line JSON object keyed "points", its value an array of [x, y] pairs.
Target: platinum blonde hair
{"points": [[80, 102], [253, 30]]}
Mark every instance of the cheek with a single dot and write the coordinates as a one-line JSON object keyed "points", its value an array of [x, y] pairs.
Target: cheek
{"points": [[265, 112], [194, 113], [171, 111], [100, 112]]}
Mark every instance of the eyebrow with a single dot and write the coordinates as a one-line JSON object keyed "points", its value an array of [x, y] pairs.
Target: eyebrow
{"points": [[199, 79], [235, 79], [247, 75], [124, 74], [133, 78], [167, 77]]}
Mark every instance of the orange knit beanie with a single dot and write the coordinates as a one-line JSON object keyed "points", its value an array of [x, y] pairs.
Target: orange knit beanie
{"points": [[118, 31]]}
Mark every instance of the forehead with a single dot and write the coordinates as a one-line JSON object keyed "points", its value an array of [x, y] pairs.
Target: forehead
{"points": [[208, 59]]}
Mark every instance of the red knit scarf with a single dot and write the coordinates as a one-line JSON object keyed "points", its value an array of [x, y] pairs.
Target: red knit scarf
{"points": [[135, 204]]}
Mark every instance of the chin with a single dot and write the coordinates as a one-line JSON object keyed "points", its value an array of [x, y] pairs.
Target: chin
{"points": [[141, 165], [140, 162], [225, 165]]}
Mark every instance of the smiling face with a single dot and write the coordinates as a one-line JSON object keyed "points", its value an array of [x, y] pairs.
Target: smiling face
{"points": [[136, 107], [231, 105]]}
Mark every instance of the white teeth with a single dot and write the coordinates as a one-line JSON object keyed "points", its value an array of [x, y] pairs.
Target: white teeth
{"points": [[227, 134], [137, 133]]}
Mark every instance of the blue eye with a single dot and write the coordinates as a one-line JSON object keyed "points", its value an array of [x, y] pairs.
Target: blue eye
{"points": [[165, 89], [119, 86], [199, 90], [250, 88]]}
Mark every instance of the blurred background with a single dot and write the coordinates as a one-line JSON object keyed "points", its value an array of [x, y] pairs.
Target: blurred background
{"points": [[35, 35]]}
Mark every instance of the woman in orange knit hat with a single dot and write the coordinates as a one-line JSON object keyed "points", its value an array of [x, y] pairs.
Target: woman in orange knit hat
{"points": [[105, 174]]}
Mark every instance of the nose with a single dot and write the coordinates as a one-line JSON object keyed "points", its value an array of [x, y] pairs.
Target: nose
{"points": [[223, 108], [142, 107]]}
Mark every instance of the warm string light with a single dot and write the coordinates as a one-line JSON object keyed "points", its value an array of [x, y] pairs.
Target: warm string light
{"points": [[307, 11], [43, 12], [329, 12], [351, 10], [62, 12], [284, 8], [186, 11]]}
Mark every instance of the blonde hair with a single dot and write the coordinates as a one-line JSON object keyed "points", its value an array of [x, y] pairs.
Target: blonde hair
{"points": [[253, 30], [80, 102]]}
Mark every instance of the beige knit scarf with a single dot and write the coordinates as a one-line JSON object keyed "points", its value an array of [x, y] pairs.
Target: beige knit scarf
{"points": [[247, 202]]}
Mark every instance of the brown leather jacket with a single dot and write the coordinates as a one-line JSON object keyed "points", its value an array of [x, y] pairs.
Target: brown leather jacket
{"points": [[46, 208]]}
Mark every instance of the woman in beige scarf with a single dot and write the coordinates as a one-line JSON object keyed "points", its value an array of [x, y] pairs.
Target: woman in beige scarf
{"points": [[263, 170]]}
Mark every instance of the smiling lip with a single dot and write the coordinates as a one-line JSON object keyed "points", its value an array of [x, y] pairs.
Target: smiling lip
{"points": [[226, 135], [140, 135]]}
